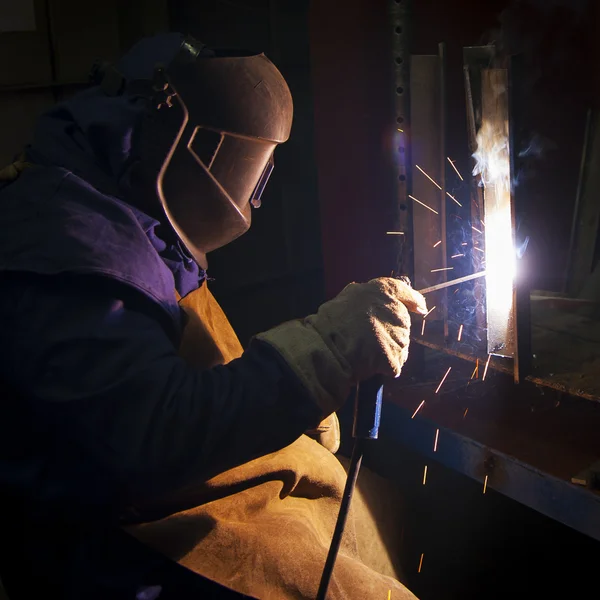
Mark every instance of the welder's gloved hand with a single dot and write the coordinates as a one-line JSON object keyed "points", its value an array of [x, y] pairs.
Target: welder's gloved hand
{"points": [[362, 332]]}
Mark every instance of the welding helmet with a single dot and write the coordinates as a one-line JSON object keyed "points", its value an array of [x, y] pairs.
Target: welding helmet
{"points": [[215, 118]]}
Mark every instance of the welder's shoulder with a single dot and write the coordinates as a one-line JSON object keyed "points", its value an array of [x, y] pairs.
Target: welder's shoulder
{"points": [[53, 222]]}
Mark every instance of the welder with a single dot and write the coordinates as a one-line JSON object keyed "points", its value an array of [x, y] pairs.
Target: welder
{"points": [[143, 452]]}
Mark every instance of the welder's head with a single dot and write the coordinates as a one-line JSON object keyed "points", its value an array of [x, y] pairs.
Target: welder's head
{"points": [[213, 122]]}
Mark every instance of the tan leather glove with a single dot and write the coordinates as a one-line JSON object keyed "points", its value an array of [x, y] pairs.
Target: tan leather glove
{"points": [[364, 331]]}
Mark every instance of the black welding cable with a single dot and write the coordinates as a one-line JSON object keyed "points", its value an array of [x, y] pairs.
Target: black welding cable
{"points": [[355, 461]]}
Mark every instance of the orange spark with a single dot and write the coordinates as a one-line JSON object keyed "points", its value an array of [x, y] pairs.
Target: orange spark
{"points": [[418, 409], [430, 179], [423, 326], [421, 563], [475, 229], [480, 250], [453, 198], [444, 269], [443, 379], [400, 130], [437, 435], [466, 411], [487, 364], [475, 370], [423, 204], [454, 167], [429, 312], [464, 244], [457, 255], [485, 484], [460, 330], [395, 232], [425, 475], [437, 244], [389, 595]]}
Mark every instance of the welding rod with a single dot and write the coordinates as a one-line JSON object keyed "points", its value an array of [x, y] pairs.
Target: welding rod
{"points": [[441, 286]]}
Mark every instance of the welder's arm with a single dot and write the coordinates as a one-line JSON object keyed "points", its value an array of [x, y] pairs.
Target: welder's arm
{"points": [[364, 331], [107, 378]]}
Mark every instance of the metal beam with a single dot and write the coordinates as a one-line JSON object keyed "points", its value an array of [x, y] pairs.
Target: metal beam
{"points": [[558, 499], [522, 352], [400, 127], [426, 140]]}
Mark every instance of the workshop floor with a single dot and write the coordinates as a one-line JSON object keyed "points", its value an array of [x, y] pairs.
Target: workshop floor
{"points": [[475, 546]]}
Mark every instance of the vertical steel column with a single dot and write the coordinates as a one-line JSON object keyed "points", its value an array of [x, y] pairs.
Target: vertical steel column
{"points": [[399, 11], [443, 154], [476, 58], [522, 358]]}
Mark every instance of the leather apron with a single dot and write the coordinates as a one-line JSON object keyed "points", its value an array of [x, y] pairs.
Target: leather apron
{"points": [[267, 527]]}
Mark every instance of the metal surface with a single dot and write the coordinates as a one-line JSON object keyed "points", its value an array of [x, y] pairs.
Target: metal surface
{"points": [[558, 499], [443, 166], [497, 201], [429, 245], [504, 365], [475, 58], [578, 194], [588, 218], [403, 244], [522, 352]]}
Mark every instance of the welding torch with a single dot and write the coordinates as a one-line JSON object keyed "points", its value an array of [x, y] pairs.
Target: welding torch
{"points": [[367, 417]]}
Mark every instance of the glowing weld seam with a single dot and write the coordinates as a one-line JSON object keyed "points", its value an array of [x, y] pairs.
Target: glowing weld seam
{"points": [[443, 379], [423, 204], [430, 179]]}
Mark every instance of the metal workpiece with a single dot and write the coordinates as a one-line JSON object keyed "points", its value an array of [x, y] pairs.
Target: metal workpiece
{"points": [[555, 497], [443, 165], [522, 351]]}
